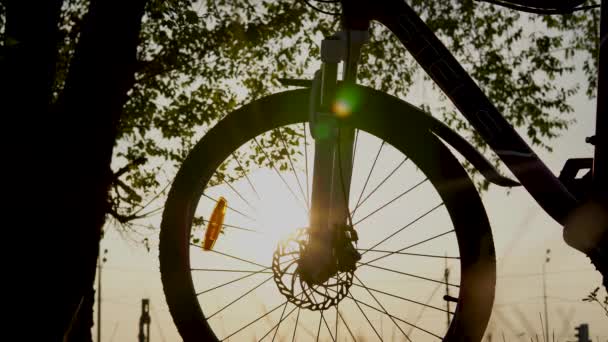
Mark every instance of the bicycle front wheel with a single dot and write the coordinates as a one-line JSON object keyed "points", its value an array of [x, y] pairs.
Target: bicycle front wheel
{"points": [[427, 271]]}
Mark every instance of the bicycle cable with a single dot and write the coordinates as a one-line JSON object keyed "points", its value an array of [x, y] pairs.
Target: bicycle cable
{"points": [[538, 10]]}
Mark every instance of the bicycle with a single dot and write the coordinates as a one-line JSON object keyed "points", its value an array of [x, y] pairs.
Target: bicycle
{"points": [[318, 268]]}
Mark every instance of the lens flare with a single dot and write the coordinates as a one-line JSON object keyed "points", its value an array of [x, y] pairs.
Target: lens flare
{"points": [[341, 108], [347, 101]]}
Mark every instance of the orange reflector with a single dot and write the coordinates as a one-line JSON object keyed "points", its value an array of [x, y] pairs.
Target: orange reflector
{"points": [[215, 224]]}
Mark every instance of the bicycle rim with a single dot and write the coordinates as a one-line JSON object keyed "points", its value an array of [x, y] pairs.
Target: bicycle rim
{"points": [[422, 231]]}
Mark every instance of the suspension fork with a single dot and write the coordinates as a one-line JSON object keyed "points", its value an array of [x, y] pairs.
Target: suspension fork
{"points": [[333, 157]]}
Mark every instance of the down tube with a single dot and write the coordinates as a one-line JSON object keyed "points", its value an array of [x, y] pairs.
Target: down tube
{"points": [[451, 77]]}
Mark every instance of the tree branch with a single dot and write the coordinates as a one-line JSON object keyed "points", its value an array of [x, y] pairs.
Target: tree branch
{"points": [[137, 162]]}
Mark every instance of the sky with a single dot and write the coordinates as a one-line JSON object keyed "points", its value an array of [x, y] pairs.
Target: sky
{"points": [[522, 233]]}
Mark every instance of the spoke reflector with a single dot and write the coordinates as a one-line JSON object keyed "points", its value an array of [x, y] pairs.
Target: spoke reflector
{"points": [[214, 227]]}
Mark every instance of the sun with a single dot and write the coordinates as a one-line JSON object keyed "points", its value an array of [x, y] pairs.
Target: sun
{"points": [[280, 210], [269, 216]]}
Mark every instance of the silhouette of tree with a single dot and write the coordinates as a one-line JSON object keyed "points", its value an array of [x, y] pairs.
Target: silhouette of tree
{"points": [[109, 96]]}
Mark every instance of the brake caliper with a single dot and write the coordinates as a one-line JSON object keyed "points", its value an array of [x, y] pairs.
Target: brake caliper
{"points": [[346, 253]]}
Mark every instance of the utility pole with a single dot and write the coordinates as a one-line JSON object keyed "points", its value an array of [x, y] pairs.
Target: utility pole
{"points": [[100, 261], [144, 321], [582, 333], [547, 258]]}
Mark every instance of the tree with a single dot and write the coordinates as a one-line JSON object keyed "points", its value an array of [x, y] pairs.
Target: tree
{"points": [[114, 94], [70, 139]]}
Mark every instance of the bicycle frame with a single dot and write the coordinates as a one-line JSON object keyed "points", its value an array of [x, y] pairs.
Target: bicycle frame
{"points": [[333, 157], [450, 76]]}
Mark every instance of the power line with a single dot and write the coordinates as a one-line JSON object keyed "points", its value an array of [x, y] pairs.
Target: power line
{"points": [[547, 259], [522, 275], [101, 259]]}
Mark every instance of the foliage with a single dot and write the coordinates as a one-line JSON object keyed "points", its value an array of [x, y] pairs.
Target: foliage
{"points": [[592, 297], [200, 60], [2, 22]]}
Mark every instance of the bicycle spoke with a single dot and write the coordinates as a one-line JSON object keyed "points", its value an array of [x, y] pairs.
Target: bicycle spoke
{"points": [[379, 185], [337, 321], [293, 169], [327, 326], [277, 326], [364, 315], [324, 320], [228, 283], [236, 227], [238, 279], [355, 145], [319, 329], [395, 317], [279, 174], [424, 307], [349, 295], [255, 320], [239, 298], [389, 202], [230, 208], [347, 327], [405, 299], [408, 274], [237, 258], [381, 306], [274, 326], [246, 176], [306, 164], [370, 173], [293, 338], [403, 228], [228, 271], [412, 254], [238, 193], [410, 246], [312, 296]]}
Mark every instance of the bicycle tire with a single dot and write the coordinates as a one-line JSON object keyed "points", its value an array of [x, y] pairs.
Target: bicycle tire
{"points": [[382, 115]]}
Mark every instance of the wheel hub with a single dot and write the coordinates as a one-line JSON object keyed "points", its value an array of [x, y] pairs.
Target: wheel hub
{"points": [[299, 280]]}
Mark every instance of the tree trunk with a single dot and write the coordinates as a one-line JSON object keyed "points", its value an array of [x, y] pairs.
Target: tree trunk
{"points": [[62, 158], [27, 69], [99, 78]]}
